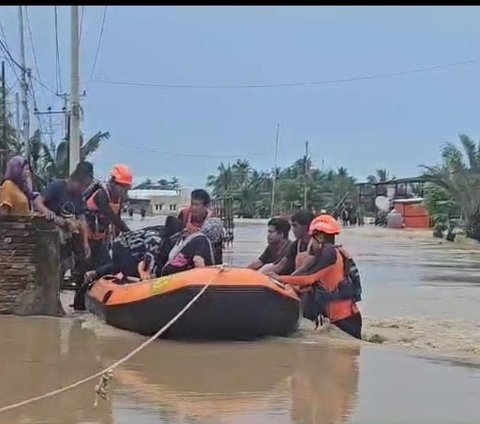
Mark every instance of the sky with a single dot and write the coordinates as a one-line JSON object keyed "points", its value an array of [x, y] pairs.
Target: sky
{"points": [[397, 122]]}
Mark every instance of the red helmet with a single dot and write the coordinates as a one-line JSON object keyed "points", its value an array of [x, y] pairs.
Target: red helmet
{"points": [[122, 175], [324, 224]]}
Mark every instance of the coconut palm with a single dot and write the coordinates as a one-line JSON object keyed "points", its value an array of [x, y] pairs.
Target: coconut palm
{"points": [[381, 175], [53, 159], [459, 175]]}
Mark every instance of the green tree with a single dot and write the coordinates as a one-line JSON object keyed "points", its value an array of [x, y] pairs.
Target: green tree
{"points": [[458, 175]]}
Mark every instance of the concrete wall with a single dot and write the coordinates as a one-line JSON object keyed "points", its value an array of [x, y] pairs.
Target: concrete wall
{"points": [[29, 267]]}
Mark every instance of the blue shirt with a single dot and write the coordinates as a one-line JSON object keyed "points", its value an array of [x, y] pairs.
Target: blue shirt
{"points": [[59, 198]]}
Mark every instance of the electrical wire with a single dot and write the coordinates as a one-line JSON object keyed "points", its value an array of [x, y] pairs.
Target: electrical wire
{"points": [[294, 84], [82, 13], [99, 42], [58, 73], [32, 44], [193, 155]]}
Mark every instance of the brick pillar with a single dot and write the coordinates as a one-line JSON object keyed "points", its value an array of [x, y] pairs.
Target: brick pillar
{"points": [[29, 267]]}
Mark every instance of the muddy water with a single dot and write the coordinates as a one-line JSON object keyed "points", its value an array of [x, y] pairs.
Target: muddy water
{"points": [[416, 293]]}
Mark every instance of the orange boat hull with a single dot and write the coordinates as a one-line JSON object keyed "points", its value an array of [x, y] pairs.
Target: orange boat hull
{"points": [[239, 304]]}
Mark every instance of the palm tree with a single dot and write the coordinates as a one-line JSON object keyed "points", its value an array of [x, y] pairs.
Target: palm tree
{"points": [[459, 176], [381, 175], [222, 183], [53, 160], [240, 172]]}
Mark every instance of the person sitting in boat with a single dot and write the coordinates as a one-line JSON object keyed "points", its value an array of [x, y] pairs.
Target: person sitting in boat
{"points": [[297, 256], [198, 212], [132, 248], [332, 289], [193, 251], [277, 248]]}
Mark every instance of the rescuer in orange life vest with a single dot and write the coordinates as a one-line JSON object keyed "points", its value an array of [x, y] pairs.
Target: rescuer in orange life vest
{"points": [[332, 290], [104, 205]]}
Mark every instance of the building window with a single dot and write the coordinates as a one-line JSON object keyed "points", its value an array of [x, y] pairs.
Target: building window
{"points": [[173, 207]]}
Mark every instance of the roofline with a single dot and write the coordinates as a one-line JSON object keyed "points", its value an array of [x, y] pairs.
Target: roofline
{"points": [[420, 179]]}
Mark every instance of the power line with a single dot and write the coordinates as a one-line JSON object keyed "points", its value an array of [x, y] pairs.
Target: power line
{"points": [[99, 42], [294, 84], [58, 73], [9, 59], [82, 13], [187, 154], [32, 43]]}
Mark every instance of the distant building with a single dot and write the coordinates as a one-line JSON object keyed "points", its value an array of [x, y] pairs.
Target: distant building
{"points": [[160, 201]]}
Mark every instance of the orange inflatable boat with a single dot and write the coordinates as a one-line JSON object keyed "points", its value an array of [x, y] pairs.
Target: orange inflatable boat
{"points": [[239, 304]]}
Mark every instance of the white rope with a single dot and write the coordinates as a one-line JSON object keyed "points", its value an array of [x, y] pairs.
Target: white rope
{"points": [[105, 374]]}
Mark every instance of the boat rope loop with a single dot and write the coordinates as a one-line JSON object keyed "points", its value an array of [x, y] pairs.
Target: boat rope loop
{"points": [[106, 374]]}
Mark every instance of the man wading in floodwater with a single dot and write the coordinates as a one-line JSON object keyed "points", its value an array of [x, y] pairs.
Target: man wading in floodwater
{"points": [[277, 248], [333, 290]]}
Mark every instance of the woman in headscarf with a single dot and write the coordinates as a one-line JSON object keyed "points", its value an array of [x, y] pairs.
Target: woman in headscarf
{"points": [[193, 251], [16, 190]]}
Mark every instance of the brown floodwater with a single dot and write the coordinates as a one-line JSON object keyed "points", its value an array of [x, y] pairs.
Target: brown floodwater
{"points": [[421, 296]]}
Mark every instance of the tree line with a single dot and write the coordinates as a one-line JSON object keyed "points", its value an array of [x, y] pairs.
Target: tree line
{"points": [[451, 189]]}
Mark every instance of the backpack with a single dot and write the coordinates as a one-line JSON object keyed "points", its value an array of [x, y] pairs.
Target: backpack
{"points": [[351, 287], [314, 301]]}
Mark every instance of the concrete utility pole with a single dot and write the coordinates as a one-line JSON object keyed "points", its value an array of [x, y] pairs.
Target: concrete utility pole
{"points": [[274, 181], [74, 141], [4, 106], [24, 87], [17, 117], [305, 187]]}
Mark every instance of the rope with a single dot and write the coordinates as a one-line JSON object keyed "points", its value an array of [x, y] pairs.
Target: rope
{"points": [[106, 373]]}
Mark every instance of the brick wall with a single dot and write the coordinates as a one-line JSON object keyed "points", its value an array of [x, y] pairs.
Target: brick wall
{"points": [[29, 267]]}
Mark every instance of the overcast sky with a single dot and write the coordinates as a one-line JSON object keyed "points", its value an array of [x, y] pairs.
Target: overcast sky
{"points": [[397, 122]]}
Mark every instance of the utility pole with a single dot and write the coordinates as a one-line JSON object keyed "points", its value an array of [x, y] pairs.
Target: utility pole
{"points": [[4, 106], [274, 181], [24, 86], [74, 140], [3, 153], [305, 187], [17, 115]]}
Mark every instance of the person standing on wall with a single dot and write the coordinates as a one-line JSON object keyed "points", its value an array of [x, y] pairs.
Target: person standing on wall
{"points": [[16, 193]]}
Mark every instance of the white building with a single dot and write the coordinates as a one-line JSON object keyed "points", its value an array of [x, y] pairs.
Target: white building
{"points": [[160, 202]]}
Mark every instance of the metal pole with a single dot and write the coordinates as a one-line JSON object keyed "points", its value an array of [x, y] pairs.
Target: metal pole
{"points": [[17, 120], [74, 141], [274, 181], [4, 107], [305, 187], [24, 86]]}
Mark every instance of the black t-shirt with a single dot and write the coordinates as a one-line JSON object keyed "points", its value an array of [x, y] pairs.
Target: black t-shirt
{"points": [[59, 199], [183, 260], [274, 254]]}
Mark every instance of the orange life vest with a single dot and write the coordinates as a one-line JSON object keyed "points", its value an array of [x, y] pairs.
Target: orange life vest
{"points": [[333, 276], [193, 227], [98, 224]]}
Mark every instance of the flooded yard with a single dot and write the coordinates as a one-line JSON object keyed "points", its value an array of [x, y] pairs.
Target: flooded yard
{"points": [[421, 298]]}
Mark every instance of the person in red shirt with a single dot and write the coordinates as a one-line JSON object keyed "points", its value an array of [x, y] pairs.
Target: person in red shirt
{"points": [[198, 212]]}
